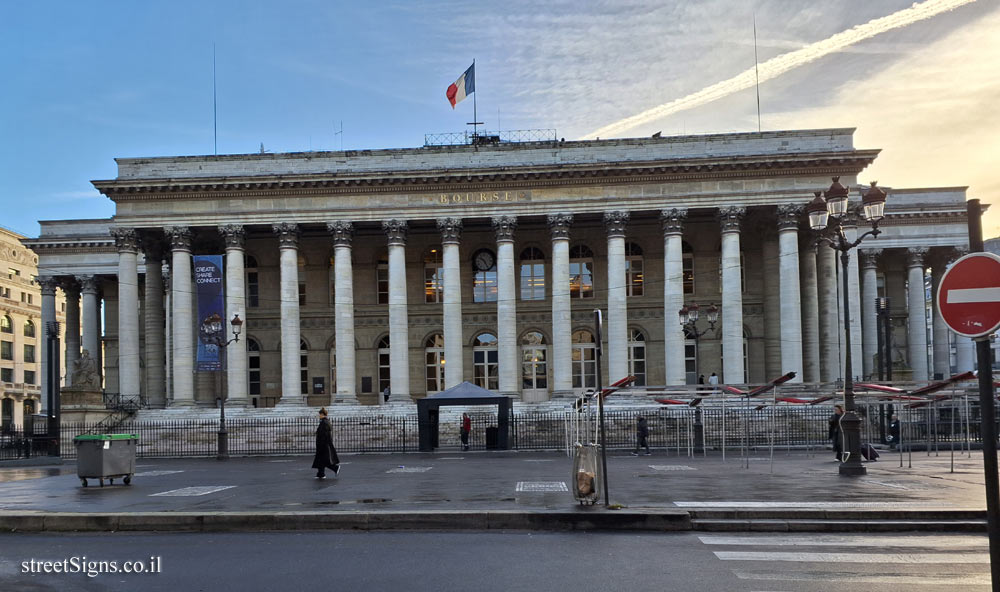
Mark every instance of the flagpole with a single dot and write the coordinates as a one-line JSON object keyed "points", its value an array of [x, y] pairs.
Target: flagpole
{"points": [[475, 117]]}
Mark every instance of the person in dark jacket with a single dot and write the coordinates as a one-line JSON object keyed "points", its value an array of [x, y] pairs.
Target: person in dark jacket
{"points": [[834, 432], [326, 454], [466, 429], [641, 436], [893, 436]]}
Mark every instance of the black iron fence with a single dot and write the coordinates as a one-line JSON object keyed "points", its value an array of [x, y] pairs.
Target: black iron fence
{"points": [[739, 424]]}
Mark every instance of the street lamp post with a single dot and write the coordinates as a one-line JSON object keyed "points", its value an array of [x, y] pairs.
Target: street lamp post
{"points": [[833, 203], [688, 318], [223, 435]]}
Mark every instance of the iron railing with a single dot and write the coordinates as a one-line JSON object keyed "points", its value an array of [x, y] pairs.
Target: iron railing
{"points": [[489, 138]]}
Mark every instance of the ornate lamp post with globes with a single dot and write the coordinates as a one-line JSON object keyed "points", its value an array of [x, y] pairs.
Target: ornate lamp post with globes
{"points": [[688, 318], [833, 204], [213, 329]]}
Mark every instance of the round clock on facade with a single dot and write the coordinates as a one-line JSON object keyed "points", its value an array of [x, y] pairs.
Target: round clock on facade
{"points": [[483, 260]]}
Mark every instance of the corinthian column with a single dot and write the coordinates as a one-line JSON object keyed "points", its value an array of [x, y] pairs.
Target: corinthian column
{"points": [[129, 376], [399, 350], [810, 314], [343, 308], [154, 316], [182, 297], [916, 335], [72, 335], [291, 367], [90, 313], [506, 306], [451, 232], [939, 330], [732, 296], [673, 294], [853, 293], [789, 287], [237, 360], [562, 365], [48, 287], [614, 223], [829, 313], [869, 314]]}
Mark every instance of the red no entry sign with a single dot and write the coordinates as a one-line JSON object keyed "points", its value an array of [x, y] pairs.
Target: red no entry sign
{"points": [[968, 298]]}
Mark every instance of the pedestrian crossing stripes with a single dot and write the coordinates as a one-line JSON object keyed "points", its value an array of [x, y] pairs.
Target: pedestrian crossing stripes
{"points": [[193, 491], [810, 505], [936, 542], [155, 473], [881, 558]]}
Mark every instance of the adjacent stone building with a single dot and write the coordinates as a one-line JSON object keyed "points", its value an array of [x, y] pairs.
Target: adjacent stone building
{"points": [[414, 269]]}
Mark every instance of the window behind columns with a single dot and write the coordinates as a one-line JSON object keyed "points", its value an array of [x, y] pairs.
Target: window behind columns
{"points": [[434, 363], [532, 274], [687, 262], [253, 282], [304, 365], [633, 269], [383, 364], [382, 282], [581, 272], [690, 357], [484, 277], [29, 329], [636, 357], [302, 285], [253, 366], [433, 276], [485, 362], [584, 356], [534, 369]]}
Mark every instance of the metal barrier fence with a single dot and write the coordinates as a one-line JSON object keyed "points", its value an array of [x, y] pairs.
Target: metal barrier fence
{"points": [[938, 425]]}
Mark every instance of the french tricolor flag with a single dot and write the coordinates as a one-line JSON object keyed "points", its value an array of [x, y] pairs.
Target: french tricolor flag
{"points": [[463, 87]]}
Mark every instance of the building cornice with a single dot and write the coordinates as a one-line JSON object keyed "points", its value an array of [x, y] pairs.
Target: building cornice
{"points": [[482, 179]]}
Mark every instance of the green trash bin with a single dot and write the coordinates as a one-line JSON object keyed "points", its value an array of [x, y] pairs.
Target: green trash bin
{"points": [[105, 456]]}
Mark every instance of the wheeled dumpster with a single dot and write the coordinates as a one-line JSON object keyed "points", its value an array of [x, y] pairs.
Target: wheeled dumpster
{"points": [[105, 456]]}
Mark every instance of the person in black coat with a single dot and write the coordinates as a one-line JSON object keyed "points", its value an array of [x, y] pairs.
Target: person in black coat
{"points": [[641, 436], [834, 432], [326, 454]]}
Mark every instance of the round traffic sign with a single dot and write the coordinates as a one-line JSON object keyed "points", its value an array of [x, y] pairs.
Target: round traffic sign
{"points": [[968, 298]]}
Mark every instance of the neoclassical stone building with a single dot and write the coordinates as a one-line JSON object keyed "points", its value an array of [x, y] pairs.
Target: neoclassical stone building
{"points": [[415, 269]]}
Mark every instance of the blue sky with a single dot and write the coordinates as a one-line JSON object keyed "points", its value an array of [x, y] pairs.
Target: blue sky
{"points": [[87, 82]]}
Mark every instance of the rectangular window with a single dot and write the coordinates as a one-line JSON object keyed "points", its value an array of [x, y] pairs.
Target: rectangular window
{"points": [[382, 283], [6, 375], [6, 350], [29, 354], [29, 299], [581, 279], [304, 373], [533, 281], [11, 272], [253, 289], [484, 287], [633, 276], [24, 297], [253, 364], [433, 284], [688, 273], [29, 377], [302, 293]]}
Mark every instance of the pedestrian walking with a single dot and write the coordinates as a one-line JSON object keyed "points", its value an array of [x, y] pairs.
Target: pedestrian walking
{"points": [[385, 394], [835, 432], [701, 379], [893, 436], [641, 436], [466, 429], [326, 455]]}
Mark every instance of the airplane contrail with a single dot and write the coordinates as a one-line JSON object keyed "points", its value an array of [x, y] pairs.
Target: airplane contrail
{"points": [[777, 66]]}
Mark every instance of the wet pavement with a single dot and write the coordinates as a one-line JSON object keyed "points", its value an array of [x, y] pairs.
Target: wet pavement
{"points": [[486, 481]]}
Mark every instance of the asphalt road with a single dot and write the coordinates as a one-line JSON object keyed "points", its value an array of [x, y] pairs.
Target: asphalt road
{"points": [[511, 562]]}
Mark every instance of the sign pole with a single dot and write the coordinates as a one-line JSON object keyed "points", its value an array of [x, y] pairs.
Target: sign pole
{"points": [[600, 408], [987, 412]]}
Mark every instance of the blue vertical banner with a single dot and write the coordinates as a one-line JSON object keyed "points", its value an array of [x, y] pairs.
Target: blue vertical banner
{"points": [[211, 311]]}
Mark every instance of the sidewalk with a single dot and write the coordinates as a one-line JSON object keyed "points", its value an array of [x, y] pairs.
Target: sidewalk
{"points": [[454, 489]]}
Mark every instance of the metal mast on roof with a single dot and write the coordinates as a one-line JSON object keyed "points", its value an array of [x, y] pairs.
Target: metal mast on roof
{"points": [[475, 118]]}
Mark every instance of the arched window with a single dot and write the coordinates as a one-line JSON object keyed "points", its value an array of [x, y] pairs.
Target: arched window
{"points": [[581, 272], [485, 362], [434, 362], [637, 356], [29, 408], [633, 269], [484, 276], [253, 282], [382, 280], [687, 254], [304, 366], [253, 366], [6, 325], [433, 276], [29, 329], [532, 274], [690, 357], [534, 368], [584, 356], [384, 363]]}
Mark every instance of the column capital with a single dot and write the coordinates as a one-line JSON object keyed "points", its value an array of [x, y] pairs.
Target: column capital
{"points": [[504, 227], [395, 231], [343, 232], [180, 237], [915, 256], [614, 223], [788, 217], [673, 220], [288, 234], [70, 287], [730, 218], [451, 230], [953, 254], [88, 284], [48, 285], [126, 239], [152, 247], [870, 257], [559, 225], [235, 236]]}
